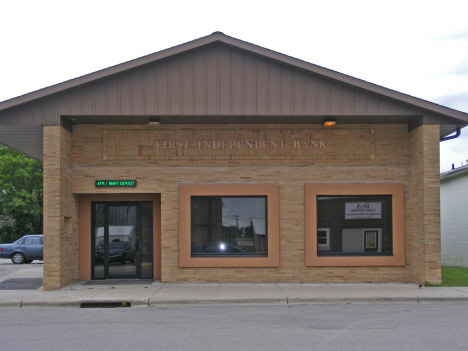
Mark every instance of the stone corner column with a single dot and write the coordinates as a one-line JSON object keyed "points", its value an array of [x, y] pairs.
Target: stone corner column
{"points": [[424, 236], [61, 244]]}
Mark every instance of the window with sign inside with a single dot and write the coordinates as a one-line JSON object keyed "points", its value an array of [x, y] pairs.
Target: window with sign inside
{"points": [[354, 225]]}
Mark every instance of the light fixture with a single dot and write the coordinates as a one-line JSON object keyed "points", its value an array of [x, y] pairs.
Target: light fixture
{"points": [[329, 122], [154, 121]]}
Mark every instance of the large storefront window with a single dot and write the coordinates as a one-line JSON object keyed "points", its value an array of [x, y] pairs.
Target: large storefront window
{"points": [[354, 225], [228, 226]]}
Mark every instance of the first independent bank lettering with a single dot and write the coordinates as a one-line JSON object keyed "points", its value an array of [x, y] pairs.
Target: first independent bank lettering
{"points": [[240, 144]]}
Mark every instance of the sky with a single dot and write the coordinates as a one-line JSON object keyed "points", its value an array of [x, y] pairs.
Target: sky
{"points": [[419, 48]]}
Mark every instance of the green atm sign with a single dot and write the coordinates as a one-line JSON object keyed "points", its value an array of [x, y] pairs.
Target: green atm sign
{"points": [[115, 183]]}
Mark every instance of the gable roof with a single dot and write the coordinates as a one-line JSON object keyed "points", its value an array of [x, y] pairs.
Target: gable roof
{"points": [[220, 37], [211, 77]]}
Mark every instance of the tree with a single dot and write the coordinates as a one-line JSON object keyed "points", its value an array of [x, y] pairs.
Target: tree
{"points": [[20, 194]]}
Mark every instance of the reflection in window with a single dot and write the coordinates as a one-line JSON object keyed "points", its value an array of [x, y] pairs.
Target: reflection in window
{"points": [[354, 225], [98, 255], [146, 240], [229, 226]]}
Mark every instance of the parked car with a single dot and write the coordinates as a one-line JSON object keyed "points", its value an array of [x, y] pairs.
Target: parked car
{"points": [[119, 252], [24, 250]]}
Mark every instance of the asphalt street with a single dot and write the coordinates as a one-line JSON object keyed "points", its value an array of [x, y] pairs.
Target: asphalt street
{"points": [[361, 325], [240, 327]]}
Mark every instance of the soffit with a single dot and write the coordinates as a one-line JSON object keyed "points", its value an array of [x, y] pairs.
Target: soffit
{"points": [[25, 139]]}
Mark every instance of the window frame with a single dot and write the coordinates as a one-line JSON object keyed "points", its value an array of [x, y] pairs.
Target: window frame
{"points": [[348, 223], [378, 239], [325, 247], [245, 254], [271, 191], [396, 190]]}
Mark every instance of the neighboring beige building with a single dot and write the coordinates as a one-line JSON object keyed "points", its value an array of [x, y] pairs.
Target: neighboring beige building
{"points": [[211, 162]]}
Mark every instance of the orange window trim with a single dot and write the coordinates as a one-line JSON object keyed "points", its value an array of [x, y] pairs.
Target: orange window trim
{"points": [[186, 191], [398, 223]]}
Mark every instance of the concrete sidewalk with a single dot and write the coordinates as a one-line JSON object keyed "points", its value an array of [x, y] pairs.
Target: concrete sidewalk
{"points": [[155, 293]]}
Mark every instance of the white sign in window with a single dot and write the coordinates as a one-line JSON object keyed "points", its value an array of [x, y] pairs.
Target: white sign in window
{"points": [[363, 210]]}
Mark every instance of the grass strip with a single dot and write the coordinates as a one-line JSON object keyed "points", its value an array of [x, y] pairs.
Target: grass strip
{"points": [[452, 276]]}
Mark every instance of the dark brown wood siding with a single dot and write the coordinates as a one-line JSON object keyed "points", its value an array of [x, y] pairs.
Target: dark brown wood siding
{"points": [[213, 80]]}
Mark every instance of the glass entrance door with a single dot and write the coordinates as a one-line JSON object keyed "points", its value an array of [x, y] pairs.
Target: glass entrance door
{"points": [[122, 242]]}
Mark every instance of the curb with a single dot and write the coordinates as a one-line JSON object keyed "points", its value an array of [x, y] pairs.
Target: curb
{"points": [[153, 302], [422, 299], [51, 303], [212, 301], [89, 302], [11, 303], [353, 300]]}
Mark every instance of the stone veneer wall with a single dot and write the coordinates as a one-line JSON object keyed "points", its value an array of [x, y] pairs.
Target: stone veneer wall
{"points": [[61, 236], [424, 234], [396, 156]]}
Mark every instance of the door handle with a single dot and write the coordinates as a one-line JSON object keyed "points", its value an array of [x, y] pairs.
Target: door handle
{"points": [[136, 246]]}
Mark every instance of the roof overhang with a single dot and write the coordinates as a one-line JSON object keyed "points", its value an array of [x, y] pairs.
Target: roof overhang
{"points": [[242, 45], [454, 173], [426, 112]]}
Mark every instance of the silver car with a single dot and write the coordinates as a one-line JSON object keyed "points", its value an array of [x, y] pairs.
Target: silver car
{"points": [[24, 250]]}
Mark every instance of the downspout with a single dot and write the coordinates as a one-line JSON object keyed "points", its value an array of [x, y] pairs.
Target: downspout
{"points": [[453, 136]]}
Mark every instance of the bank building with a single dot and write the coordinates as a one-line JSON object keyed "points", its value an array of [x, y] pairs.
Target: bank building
{"points": [[222, 161]]}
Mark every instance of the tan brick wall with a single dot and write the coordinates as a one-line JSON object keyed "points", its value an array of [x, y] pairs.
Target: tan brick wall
{"points": [[398, 156], [391, 163], [61, 248], [353, 145], [424, 234]]}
